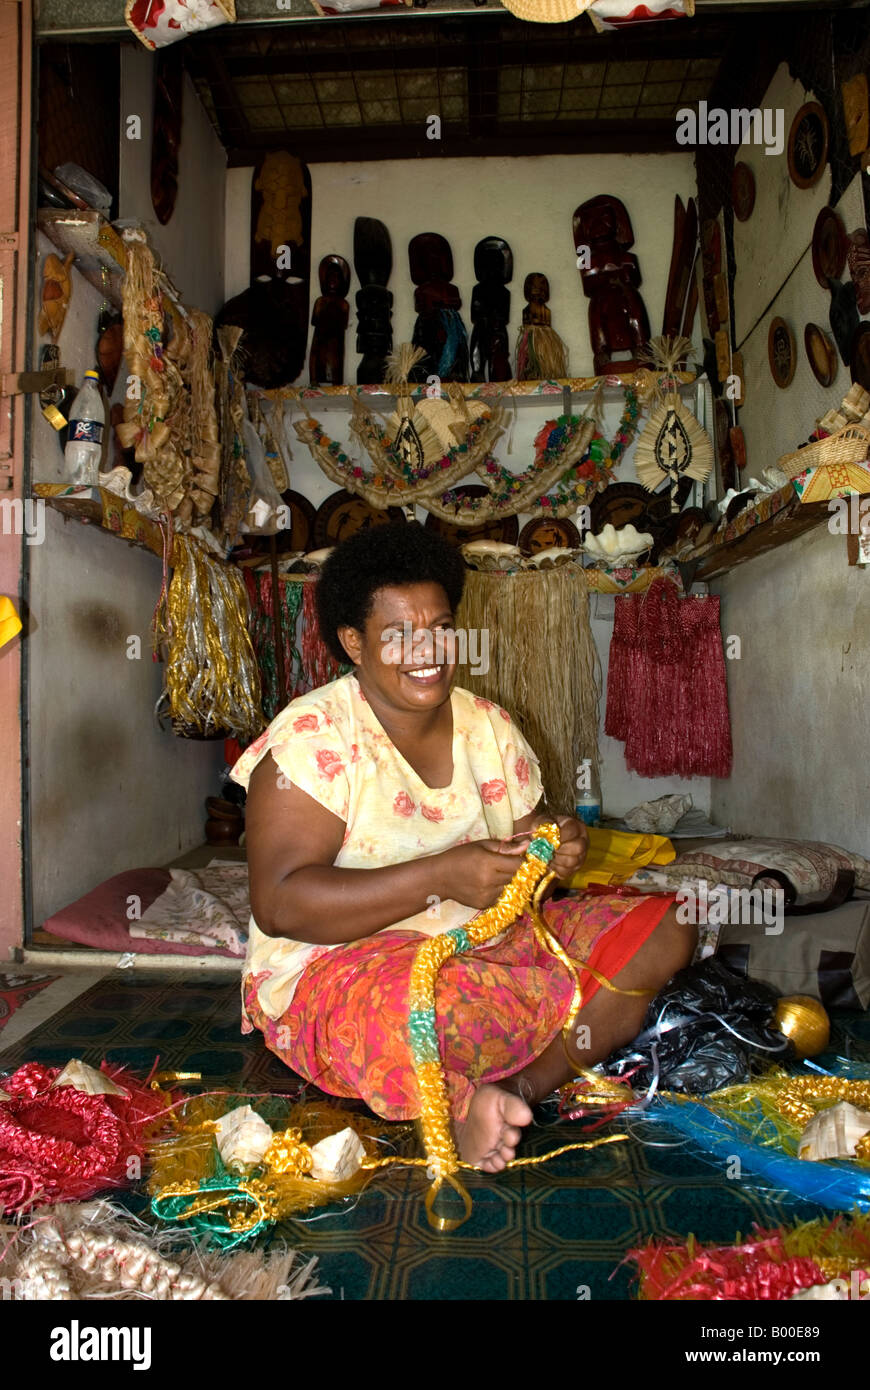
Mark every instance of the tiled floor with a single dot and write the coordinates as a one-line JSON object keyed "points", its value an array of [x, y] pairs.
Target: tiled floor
{"points": [[558, 1231]]}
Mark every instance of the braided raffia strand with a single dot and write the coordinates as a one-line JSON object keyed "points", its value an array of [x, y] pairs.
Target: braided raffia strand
{"points": [[430, 956]]}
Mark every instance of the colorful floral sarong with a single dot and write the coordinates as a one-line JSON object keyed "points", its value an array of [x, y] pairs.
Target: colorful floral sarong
{"points": [[497, 1007]]}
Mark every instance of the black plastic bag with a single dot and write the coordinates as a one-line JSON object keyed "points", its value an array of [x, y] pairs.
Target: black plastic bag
{"points": [[701, 1033]]}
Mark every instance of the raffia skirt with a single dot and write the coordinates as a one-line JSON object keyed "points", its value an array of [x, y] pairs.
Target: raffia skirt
{"points": [[497, 1007]]}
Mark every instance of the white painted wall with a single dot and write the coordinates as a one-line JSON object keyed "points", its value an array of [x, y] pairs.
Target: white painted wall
{"points": [[798, 695], [530, 202], [192, 242], [109, 790]]}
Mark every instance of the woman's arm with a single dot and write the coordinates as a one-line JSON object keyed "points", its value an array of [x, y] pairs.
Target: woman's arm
{"points": [[297, 892]]}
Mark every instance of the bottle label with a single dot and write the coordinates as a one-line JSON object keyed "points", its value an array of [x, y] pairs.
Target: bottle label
{"points": [[588, 811], [88, 431]]}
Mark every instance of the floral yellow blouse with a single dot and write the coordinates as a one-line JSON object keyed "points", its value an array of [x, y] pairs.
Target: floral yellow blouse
{"points": [[330, 744]]}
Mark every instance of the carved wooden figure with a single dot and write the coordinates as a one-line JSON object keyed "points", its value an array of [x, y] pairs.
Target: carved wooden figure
{"points": [[859, 267], [326, 363], [439, 329], [491, 310], [373, 262], [541, 354], [618, 319]]}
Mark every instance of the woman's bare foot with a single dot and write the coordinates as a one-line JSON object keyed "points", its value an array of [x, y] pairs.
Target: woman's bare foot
{"points": [[488, 1138]]}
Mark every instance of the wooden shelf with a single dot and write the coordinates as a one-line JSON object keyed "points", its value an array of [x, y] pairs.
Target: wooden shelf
{"points": [[777, 519], [613, 388], [93, 506]]}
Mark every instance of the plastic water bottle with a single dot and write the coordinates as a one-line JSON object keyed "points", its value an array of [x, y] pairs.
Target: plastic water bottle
{"points": [[84, 446], [588, 804]]}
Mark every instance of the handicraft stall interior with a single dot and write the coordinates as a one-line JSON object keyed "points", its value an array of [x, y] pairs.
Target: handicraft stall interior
{"points": [[461, 271]]}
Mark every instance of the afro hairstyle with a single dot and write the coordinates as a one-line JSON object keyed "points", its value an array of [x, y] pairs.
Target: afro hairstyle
{"points": [[383, 556]]}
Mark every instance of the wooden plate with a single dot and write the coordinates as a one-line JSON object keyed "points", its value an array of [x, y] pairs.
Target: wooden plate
{"points": [[619, 504], [742, 191], [822, 354], [545, 532], [859, 359], [343, 514], [830, 247], [808, 145], [781, 352], [498, 528]]}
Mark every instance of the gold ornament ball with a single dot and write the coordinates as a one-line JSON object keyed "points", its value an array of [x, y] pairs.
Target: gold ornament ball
{"points": [[805, 1023]]}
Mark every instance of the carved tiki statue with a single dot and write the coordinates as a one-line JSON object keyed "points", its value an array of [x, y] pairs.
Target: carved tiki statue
{"points": [[439, 329], [491, 310], [618, 321], [326, 363]]}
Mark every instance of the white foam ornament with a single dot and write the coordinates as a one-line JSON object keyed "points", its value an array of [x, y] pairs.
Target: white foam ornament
{"points": [[242, 1137], [337, 1157], [86, 1079]]}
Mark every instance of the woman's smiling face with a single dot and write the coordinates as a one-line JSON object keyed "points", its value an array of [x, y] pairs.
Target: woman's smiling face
{"points": [[406, 652]]}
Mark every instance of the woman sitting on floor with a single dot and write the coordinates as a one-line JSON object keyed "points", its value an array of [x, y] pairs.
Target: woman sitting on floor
{"points": [[383, 807]]}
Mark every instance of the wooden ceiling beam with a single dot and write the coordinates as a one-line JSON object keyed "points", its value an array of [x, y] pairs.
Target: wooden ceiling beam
{"points": [[518, 137]]}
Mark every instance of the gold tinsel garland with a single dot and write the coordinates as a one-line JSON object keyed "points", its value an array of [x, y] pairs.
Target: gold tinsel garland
{"points": [[212, 680]]}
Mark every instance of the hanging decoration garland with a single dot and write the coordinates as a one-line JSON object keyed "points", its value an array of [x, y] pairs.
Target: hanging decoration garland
{"points": [[522, 894], [673, 444], [262, 598], [388, 487], [235, 480], [169, 412], [155, 381], [422, 433], [205, 442], [212, 682], [564, 443], [569, 457], [569, 437]]}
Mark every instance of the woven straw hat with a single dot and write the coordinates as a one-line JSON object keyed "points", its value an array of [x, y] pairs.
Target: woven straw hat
{"points": [[546, 11]]}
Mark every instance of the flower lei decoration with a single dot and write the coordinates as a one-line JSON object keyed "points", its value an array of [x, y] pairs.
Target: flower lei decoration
{"points": [[557, 438], [557, 443], [381, 490]]}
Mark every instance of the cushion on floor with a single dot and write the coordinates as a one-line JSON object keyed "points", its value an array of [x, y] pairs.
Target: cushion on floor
{"points": [[99, 919]]}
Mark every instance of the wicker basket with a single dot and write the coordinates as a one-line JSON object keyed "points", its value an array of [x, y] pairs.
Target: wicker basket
{"points": [[849, 445]]}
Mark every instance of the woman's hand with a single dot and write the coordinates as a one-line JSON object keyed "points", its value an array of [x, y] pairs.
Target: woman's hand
{"points": [[573, 844], [475, 873]]}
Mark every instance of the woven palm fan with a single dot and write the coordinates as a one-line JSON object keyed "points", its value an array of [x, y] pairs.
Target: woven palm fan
{"points": [[423, 433], [673, 444], [414, 440]]}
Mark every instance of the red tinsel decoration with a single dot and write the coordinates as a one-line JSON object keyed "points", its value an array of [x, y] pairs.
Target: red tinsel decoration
{"points": [[757, 1270], [63, 1145], [667, 697]]}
